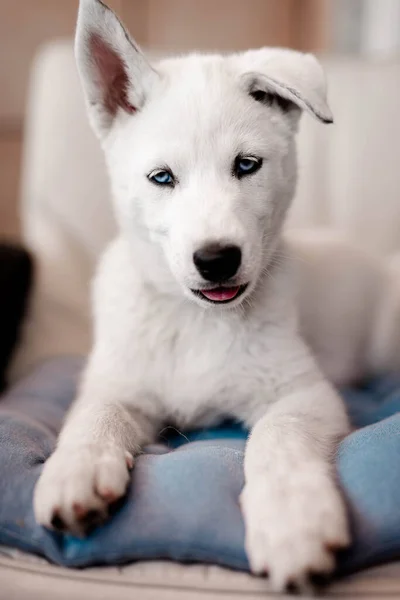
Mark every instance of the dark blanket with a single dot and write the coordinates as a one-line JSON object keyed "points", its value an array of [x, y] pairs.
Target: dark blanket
{"points": [[16, 270]]}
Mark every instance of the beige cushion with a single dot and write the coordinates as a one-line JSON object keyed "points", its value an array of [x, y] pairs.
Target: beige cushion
{"points": [[25, 577]]}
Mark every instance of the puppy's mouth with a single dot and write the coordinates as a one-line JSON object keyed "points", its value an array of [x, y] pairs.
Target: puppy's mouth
{"points": [[221, 295]]}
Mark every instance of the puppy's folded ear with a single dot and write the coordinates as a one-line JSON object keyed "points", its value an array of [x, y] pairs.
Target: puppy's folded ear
{"points": [[114, 73], [294, 77]]}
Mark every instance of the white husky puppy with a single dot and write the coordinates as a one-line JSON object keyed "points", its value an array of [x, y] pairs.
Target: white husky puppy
{"points": [[194, 302]]}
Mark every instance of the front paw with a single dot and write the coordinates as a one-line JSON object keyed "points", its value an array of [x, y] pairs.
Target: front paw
{"points": [[77, 486], [294, 525]]}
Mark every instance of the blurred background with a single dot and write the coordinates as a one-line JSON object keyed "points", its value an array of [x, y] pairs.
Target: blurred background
{"points": [[351, 27]]}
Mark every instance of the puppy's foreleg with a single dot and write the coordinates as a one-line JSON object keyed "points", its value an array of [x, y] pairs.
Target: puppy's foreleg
{"points": [[294, 514], [89, 470]]}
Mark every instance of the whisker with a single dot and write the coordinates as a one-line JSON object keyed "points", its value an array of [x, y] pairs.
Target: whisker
{"points": [[174, 429]]}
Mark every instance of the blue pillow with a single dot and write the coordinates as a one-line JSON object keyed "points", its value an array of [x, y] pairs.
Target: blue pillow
{"points": [[183, 500]]}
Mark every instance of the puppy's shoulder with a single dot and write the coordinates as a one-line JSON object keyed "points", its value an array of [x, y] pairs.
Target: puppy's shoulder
{"points": [[118, 284]]}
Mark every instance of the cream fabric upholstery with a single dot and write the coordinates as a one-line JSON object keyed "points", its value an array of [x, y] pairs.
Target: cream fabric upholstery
{"points": [[349, 174]]}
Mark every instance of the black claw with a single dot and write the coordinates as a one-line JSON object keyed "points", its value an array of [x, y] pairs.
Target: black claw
{"points": [[293, 588], [314, 583], [319, 580], [91, 520], [57, 523], [115, 506]]}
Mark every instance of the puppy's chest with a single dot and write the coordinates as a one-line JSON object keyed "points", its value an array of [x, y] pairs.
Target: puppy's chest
{"points": [[201, 368]]}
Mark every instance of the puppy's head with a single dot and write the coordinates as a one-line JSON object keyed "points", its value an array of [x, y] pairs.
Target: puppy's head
{"points": [[200, 152]]}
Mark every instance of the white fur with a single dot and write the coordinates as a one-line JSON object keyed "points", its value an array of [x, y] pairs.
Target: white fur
{"points": [[162, 354]]}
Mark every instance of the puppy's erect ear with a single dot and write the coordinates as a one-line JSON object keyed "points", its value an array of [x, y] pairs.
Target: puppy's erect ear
{"points": [[114, 73], [291, 76]]}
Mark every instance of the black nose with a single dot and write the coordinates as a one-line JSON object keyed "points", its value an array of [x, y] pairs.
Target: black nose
{"points": [[217, 263]]}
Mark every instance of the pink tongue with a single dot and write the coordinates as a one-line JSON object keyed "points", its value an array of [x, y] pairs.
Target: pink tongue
{"points": [[220, 294]]}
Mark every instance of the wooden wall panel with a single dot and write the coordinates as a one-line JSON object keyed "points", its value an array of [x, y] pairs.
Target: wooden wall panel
{"points": [[218, 24], [24, 25], [312, 25], [135, 14], [10, 158], [163, 24]]}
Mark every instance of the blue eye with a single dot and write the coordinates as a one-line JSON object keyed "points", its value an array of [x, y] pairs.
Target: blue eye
{"points": [[161, 177], [245, 165]]}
